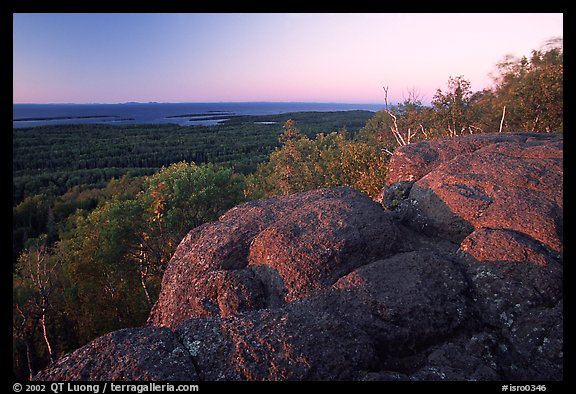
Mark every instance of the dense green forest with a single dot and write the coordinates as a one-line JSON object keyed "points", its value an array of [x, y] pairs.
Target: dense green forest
{"points": [[98, 210], [53, 159]]}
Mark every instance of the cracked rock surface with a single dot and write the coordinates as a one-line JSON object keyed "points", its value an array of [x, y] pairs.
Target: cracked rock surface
{"points": [[456, 276]]}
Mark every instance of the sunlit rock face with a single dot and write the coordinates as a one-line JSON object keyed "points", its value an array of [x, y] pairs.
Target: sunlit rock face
{"points": [[267, 253], [508, 181]]}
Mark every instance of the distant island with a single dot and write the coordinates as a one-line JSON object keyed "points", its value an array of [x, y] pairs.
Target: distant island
{"points": [[211, 114], [70, 117]]}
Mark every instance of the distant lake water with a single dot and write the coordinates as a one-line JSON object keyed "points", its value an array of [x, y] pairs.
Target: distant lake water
{"points": [[184, 114]]}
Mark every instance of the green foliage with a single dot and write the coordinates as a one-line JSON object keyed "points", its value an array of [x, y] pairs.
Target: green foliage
{"points": [[185, 195], [37, 323], [532, 89], [53, 159], [179, 198], [104, 293], [412, 118], [111, 259], [452, 108], [112, 231], [30, 219], [328, 160], [118, 252], [291, 133], [527, 96]]}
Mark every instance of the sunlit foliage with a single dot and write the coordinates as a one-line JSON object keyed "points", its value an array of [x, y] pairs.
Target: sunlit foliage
{"points": [[328, 160]]}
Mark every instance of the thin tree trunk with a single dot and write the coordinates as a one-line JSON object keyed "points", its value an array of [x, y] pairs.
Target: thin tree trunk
{"points": [[535, 122], [28, 339], [502, 120], [143, 268], [45, 335], [29, 361], [145, 287]]}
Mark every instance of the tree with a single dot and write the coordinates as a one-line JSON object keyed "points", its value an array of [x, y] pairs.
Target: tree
{"points": [[485, 111], [30, 219], [290, 133], [408, 113], [113, 258], [532, 89], [452, 108], [184, 195], [325, 161], [103, 284], [398, 125], [33, 287], [176, 199]]}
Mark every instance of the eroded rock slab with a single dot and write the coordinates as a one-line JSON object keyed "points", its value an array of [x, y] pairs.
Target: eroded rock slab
{"points": [[493, 181], [269, 252], [136, 354]]}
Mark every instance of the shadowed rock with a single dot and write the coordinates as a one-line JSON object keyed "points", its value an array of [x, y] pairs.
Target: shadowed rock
{"points": [[148, 353]]}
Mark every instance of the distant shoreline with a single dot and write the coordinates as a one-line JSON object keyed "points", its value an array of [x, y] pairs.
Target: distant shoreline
{"points": [[208, 113], [69, 117], [204, 114]]}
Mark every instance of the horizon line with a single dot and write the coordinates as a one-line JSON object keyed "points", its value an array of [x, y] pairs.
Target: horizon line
{"points": [[198, 102]]}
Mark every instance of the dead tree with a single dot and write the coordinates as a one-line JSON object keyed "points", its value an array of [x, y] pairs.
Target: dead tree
{"points": [[40, 274], [401, 139], [25, 330]]}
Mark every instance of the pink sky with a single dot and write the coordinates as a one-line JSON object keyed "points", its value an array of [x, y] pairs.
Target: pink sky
{"points": [[262, 57]]}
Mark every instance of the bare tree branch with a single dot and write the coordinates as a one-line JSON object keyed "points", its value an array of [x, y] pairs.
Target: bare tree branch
{"points": [[385, 96], [399, 139]]}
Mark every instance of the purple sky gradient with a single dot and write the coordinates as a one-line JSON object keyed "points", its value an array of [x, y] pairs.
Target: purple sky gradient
{"points": [[110, 58]]}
